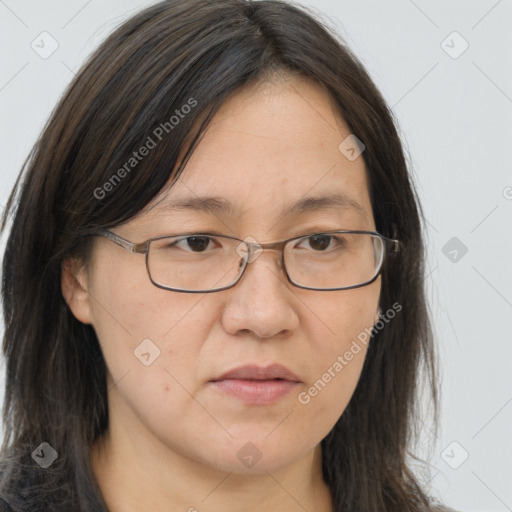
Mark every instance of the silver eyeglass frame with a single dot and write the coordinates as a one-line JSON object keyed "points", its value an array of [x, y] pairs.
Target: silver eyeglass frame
{"points": [[391, 246]]}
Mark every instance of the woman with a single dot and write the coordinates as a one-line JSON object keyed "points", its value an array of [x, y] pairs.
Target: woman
{"points": [[213, 283]]}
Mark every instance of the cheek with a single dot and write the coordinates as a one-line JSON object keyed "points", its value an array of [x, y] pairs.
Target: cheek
{"points": [[340, 337], [149, 336], [152, 345], [336, 320], [326, 395], [127, 305]]}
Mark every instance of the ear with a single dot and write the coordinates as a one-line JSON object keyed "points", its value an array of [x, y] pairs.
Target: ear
{"points": [[74, 289]]}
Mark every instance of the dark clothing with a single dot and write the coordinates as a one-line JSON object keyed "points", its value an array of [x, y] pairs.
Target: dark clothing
{"points": [[4, 507]]}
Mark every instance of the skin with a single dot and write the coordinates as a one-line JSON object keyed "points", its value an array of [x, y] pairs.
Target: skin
{"points": [[173, 439]]}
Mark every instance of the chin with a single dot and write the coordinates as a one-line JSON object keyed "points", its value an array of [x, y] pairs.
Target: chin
{"points": [[258, 454]]}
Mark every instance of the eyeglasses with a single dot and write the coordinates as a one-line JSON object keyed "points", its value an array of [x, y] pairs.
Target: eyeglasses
{"points": [[206, 262]]}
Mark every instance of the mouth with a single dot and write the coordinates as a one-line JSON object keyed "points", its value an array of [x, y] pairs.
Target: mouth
{"points": [[256, 385], [256, 392]]}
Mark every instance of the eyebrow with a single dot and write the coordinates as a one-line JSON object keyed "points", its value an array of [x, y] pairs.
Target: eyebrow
{"points": [[218, 205]]}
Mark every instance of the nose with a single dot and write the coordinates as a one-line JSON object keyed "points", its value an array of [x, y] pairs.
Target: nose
{"points": [[262, 302]]}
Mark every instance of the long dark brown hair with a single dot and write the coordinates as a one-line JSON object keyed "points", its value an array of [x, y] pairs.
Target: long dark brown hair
{"points": [[196, 53]]}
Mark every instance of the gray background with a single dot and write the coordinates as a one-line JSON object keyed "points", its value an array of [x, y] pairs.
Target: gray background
{"points": [[454, 111]]}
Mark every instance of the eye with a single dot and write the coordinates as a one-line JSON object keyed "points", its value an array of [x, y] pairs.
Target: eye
{"points": [[194, 243], [320, 242]]}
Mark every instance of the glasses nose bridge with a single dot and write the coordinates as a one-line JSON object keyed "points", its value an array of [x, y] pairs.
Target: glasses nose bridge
{"points": [[253, 247]]}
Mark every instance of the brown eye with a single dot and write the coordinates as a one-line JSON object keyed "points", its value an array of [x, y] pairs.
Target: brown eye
{"points": [[198, 243], [319, 242], [194, 243]]}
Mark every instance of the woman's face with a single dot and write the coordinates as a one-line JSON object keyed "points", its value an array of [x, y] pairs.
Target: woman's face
{"points": [[267, 148]]}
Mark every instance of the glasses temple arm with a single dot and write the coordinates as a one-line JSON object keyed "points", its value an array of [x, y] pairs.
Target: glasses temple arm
{"points": [[125, 244]]}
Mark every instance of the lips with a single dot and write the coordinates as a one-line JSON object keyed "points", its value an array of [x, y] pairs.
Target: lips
{"points": [[257, 385], [253, 372]]}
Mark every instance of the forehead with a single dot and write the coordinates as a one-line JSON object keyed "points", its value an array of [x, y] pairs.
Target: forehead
{"points": [[271, 147]]}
